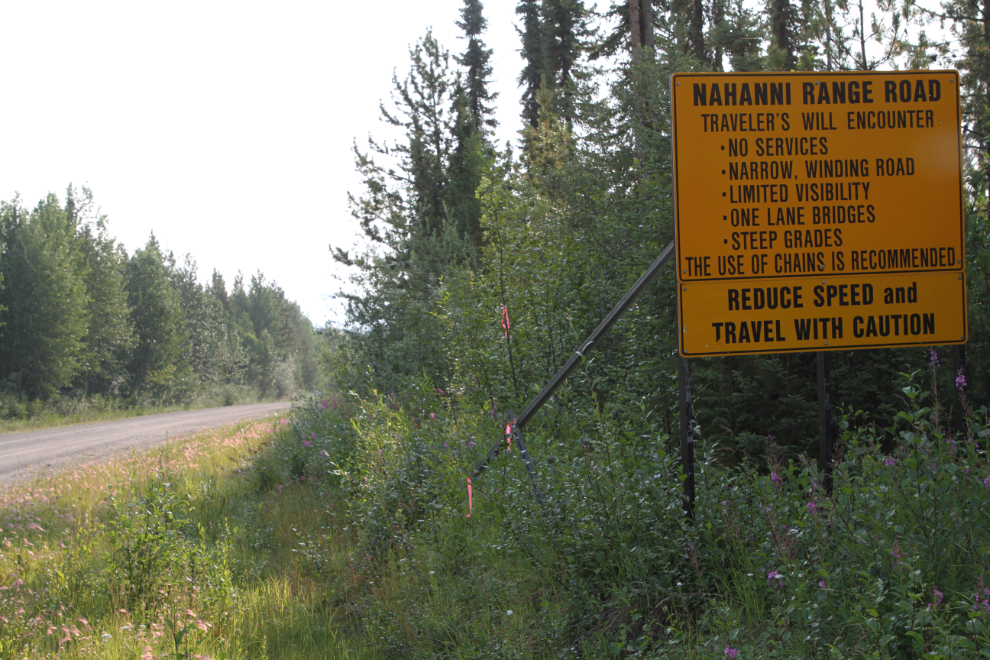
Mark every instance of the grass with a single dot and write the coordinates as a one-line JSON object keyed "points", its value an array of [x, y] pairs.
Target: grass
{"points": [[171, 554], [892, 563], [341, 531]]}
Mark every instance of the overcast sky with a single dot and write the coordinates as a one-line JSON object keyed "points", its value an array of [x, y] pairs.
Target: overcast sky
{"points": [[223, 127]]}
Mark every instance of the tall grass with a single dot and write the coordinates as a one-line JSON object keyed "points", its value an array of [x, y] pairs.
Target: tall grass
{"points": [[888, 559], [343, 530], [174, 554]]}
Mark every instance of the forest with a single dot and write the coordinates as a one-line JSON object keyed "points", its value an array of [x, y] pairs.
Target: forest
{"points": [[85, 326], [484, 265]]}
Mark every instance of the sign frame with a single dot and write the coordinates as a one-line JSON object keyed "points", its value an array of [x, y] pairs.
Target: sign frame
{"points": [[925, 97]]}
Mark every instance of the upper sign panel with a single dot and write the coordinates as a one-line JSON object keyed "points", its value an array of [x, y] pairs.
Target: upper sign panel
{"points": [[794, 174]]}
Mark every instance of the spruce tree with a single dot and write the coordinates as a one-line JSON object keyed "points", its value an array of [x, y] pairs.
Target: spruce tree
{"points": [[534, 54], [476, 60], [473, 116], [564, 22]]}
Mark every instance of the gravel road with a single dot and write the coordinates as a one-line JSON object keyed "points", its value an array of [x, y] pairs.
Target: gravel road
{"points": [[28, 454]]}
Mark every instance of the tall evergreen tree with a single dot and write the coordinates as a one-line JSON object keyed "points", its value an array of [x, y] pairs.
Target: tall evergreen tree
{"points": [[784, 31], [405, 213], [534, 54], [564, 27], [476, 60], [473, 117], [633, 23], [689, 21], [467, 164]]}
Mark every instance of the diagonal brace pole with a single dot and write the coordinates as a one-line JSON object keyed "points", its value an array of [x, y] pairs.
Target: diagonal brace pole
{"points": [[589, 344]]}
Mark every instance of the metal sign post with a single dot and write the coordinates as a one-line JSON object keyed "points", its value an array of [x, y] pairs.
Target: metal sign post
{"points": [[687, 433], [825, 440], [587, 346]]}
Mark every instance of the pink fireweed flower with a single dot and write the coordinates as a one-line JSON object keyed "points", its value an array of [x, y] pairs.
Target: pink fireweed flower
{"points": [[775, 478], [470, 443], [937, 596], [307, 444], [774, 579], [960, 380], [933, 358], [897, 554], [821, 583], [731, 652], [982, 598], [313, 436], [812, 507], [888, 461]]}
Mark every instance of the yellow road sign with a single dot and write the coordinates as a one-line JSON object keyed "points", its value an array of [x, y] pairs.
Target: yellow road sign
{"points": [[815, 313], [793, 174]]}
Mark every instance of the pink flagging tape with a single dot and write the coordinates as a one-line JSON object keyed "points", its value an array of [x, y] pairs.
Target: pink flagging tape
{"points": [[505, 320], [508, 432], [470, 503]]}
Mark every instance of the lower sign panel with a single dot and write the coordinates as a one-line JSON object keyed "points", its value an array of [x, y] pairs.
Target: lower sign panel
{"points": [[815, 313]]}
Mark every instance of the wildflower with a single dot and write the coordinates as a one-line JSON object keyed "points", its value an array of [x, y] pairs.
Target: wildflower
{"points": [[933, 358], [731, 652], [508, 613], [280, 489], [821, 583], [105, 636], [960, 380], [313, 436], [307, 444], [888, 461], [446, 446], [937, 595], [433, 416], [812, 508], [470, 443], [982, 598], [775, 478], [774, 575], [324, 454]]}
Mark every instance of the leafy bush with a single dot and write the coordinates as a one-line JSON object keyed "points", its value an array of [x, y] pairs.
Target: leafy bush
{"points": [[155, 558], [886, 557]]}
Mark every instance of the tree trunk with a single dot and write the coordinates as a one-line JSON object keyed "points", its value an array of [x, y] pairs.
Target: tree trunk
{"points": [[635, 30]]}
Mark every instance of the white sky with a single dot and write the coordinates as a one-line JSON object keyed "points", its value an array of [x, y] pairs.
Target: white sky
{"points": [[223, 127]]}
